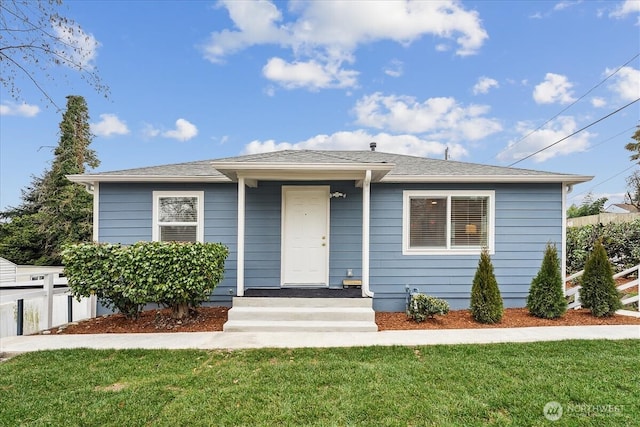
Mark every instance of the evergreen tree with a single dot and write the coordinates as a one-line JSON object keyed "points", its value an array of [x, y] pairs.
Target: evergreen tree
{"points": [[486, 301], [546, 296], [599, 293], [54, 211]]}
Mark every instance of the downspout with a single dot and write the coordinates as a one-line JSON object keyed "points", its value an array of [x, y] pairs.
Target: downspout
{"points": [[366, 209], [240, 244]]}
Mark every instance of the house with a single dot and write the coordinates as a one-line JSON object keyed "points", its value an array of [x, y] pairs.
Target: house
{"points": [[313, 219]]}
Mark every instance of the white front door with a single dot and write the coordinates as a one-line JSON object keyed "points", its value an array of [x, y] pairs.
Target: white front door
{"points": [[305, 237]]}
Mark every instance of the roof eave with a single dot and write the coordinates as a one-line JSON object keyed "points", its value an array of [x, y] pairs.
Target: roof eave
{"points": [[289, 170], [565, 179], [93, 178]]}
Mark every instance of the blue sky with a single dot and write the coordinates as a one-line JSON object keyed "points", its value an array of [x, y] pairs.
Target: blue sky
{"points": [[196, 80]]}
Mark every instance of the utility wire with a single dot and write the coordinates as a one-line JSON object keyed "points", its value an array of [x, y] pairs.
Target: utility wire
{"points": [[572, 104], [576, 132], [600, 183]]}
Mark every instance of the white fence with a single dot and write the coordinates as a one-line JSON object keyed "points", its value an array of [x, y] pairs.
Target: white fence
{"points": [[41, 308], [625, 300]]}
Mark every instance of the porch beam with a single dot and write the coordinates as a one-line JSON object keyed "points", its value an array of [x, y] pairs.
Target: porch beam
{"points": [[366, 209], [240, 244]]}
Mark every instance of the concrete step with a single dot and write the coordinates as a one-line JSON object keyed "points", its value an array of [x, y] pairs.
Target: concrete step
{"points": [[265, 314], [298, 326], [301, 302], [340, 314]]}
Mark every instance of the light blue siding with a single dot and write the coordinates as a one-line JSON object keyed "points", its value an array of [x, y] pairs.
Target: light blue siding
{"points": [[125, 217], [526, 218]]}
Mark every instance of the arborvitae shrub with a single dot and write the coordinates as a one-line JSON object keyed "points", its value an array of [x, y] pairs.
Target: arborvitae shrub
{"points": [[546, 296], [423, 306], [486, 301], [599, 293]]}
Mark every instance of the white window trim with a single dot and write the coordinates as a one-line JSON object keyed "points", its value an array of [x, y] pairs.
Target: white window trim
{"points": [[408, 194], [156, 209]]}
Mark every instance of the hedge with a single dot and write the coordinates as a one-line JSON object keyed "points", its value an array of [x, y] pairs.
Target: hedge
{"points": [[621, 242], [172, 274]]}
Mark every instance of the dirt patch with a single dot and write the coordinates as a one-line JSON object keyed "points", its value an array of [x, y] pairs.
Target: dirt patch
{"points": [[212, 319]]}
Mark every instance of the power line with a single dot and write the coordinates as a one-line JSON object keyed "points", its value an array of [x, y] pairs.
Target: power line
{"points": [[576, 132], [573, 103], [600, 183], [612, 137]]}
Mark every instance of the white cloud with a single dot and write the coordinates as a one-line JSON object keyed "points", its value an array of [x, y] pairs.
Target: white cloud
{"points": [[484, 84], [184, 131], [149, 131], [311, 74], [22, 110], [81, 48], [565, 5], [441, 118], [359, 140], [108, 125], [554, 88], [625, 8], [394, 69], [598, 102], [626, 83], [550, 133], [327, 33]]}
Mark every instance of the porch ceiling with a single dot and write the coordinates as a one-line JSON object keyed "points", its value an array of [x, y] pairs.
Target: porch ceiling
{"points": [[254, 172]]}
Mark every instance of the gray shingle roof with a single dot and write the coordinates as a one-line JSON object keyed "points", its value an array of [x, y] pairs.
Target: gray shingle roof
{"points": [[405, 167]]}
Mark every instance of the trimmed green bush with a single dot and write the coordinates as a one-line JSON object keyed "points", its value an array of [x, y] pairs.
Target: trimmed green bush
{"points": [[486, 301], [96, 269], [599, 293], [422, 307], [546, 296], [172, 274]]}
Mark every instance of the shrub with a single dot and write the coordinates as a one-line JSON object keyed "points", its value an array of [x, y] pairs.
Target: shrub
{"points": [[486, 301], [95, 269], [621, 241], [172, 274], [546, 296], [177, 275], [422, 307], [599, 293]]}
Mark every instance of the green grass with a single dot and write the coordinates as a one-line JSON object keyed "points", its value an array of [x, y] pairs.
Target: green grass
{"points": [[501, 384]]}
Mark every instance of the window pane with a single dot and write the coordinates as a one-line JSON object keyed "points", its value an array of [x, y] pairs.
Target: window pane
{"points": [[428, 226], [469, 221], [178, 209], [181, 233]]}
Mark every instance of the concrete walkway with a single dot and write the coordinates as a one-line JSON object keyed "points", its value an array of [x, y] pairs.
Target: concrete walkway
{"points": [[242, 340]]}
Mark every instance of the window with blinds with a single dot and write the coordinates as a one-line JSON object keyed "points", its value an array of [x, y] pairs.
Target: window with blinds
{"points": [[177, 217], [437, 222], [469, 221]]}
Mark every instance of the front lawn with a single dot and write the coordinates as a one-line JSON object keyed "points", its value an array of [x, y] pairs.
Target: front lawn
{"points": [[596, 382]]}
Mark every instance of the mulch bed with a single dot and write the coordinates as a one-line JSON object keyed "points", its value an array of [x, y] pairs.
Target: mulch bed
{"points": [[212, 319]]}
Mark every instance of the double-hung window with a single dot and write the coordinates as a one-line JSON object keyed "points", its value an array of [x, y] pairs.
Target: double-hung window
{"points": [[178, 216], [448, 222]]}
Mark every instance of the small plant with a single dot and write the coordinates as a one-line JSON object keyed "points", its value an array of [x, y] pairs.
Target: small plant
{"points": [[599, 293], [423, 306], [486, 301], [546, 297]]}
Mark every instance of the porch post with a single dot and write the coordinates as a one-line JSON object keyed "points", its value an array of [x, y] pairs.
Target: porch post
{"points": [[366, 197], [240, 245]]}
